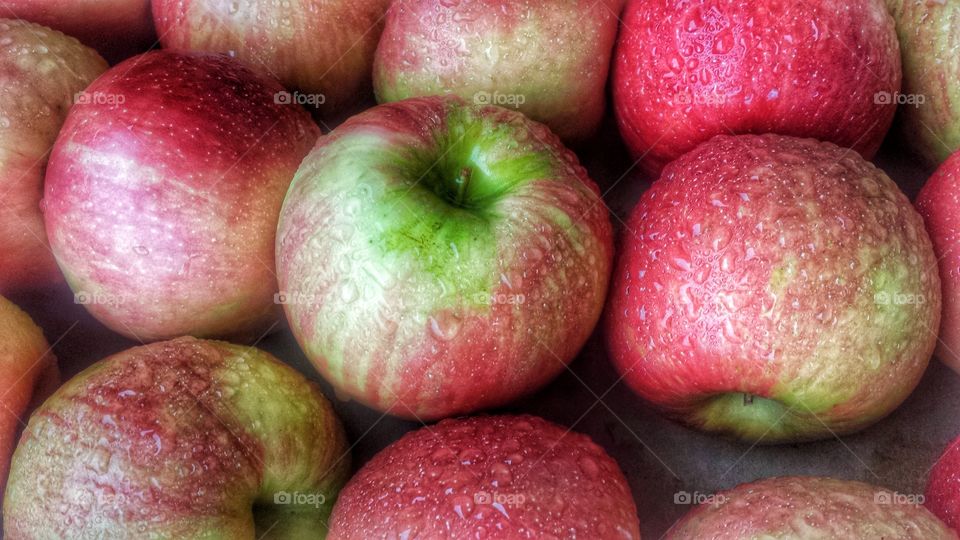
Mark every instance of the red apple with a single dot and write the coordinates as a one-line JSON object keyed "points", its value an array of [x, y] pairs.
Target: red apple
{"points": [[438, 258], [774, 289], [323, 48], [686, 71], [117, 29], [548, 59], [930, 109], [488, 477], [180, 439], [42, 72], [27, 367], [163, 193], [939, 203], [810, 507], [943, 487]]}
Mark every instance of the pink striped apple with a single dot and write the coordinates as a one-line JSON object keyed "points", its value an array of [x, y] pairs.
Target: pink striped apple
{"points": [[438, 257], [774, 289], [163, 193], [43, 72]]}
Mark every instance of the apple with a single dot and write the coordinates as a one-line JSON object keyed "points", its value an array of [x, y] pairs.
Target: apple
{"points": [[117, 29], [930, 46], [27, 370], [774, 289], [163, 194], [810, 507], [488, 477], [547, 59], [942, 496], [179, 439], [43, 71], [437, 257], [322, 48], [939, 204], [686, 71]]}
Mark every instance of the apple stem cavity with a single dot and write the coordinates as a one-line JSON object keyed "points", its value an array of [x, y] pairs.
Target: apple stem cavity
{"points": [[460, 186]]}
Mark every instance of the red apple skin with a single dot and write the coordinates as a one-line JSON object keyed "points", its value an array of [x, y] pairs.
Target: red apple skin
{"points": [[939, 204], [943, 486], [162, 209], [497, 477], [321, 46], [686, 71], [809, 507], [786, 269], [117, 29], [364, 249], [553, 53], [26, 367], [180, 439], [42, 71]]}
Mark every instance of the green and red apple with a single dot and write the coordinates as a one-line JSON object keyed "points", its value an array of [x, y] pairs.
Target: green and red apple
{"points": [[43, 72], [438, 257], [163, 193], [488, 477], [930, 45], [549, 59], [801, 508], [774, 289], [27, 370], [686, 71], [322, 48], [179, 439]]}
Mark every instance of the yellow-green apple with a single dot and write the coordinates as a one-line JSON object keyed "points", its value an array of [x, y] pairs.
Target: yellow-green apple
{"points": [[163, 192], [939, 204], [930, 45], [41, 73], [320, 48], [438, 257], [488, 477], [795, 508], [943, 487], [179, 439], [546, 58], [774, 289], [686, 71], [116, 28], [27, 368]]}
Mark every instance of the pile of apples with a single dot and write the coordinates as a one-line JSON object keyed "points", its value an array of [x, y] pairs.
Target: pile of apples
{"points": [[444, 253]]}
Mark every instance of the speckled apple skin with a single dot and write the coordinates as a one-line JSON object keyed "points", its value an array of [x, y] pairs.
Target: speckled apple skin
{"points": [[162, 208], [809, 508], [179, 439], [786, 269], [42, 70], [553, 53], [316, 46], [943, 486], [496, 477], [939, 204], [117, 29], [26, 365], [417, 307], [930, 44], [687, 70]]}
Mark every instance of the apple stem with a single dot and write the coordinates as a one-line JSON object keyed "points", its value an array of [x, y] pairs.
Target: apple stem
{"points": [[747, 399], [461, 182]]}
